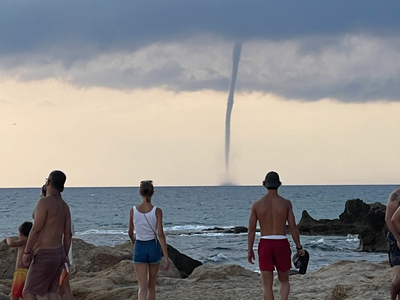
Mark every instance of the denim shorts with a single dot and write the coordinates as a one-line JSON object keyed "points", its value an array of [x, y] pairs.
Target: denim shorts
{"points": [[147, 252]]}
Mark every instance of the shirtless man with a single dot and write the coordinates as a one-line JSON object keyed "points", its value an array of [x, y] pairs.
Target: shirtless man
{"points": [[272, 211], [392, 219], [49, 240]]}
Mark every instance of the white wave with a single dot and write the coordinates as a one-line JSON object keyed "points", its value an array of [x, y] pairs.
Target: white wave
{"points": [[352, 239], [320, 241], [195, 228], [206, 234], [186, 228], [96, 231], [217, 258]]}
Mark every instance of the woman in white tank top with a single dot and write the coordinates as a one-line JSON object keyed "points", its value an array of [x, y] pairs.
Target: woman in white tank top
{"points": [[146, 220]]}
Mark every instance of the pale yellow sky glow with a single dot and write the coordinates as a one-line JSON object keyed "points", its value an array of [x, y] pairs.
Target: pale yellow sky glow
{"points": [[113, 103], [105, 137]]}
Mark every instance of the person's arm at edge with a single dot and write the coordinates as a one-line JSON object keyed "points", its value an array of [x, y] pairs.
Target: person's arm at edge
{"points": [[40, 218], [294, 230], [161, 237], [392, 218], [251, 234], [395, 220], [15, 241], [67, 239], [131, 226]]}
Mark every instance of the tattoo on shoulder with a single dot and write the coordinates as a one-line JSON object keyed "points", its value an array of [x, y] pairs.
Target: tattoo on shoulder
{"points": [[394, 197]]}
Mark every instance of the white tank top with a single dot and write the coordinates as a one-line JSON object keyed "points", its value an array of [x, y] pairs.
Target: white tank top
{"points": [[142, 226]]}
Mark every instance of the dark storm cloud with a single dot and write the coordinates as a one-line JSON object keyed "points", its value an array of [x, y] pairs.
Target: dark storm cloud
{"points": [[53, 38], [38, 25]]}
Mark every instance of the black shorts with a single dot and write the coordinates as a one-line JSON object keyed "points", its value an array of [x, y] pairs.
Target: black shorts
{"points": [[394, 251]]}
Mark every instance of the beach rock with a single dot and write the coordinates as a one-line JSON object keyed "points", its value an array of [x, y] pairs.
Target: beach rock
{"points": [[311, 226], [99, 288], [361, 214], [372, 240], [343, 280], [370, 221], [4, 297], [366, 220], [5, 286], [221, 272], [240, 229], [117, 282], [182, 262], [341, 291], [89, 258], [8, 258], [236, 229]]}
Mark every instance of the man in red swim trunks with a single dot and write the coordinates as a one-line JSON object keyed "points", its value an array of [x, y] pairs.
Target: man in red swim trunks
{"points": [[272, 211]]}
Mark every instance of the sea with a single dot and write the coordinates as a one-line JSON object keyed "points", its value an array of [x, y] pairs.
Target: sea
{"points": [[101, 215]]}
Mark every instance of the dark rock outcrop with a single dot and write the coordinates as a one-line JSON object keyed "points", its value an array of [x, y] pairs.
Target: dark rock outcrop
{"points": [[236, 229], [182, 262], [370, 219], [311, 226], [366, 220]]}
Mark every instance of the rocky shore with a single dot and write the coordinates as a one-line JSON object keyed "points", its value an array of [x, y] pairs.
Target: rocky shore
{"points": [[108, 273], [358, 218]]}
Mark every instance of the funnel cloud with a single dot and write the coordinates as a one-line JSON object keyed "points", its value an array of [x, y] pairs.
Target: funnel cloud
{"points": [[235, 66]]}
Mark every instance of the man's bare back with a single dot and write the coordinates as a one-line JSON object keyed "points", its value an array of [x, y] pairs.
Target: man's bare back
{"points": [[52, 216], [272, 212]]}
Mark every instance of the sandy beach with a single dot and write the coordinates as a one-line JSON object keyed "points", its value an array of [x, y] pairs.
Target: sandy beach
{"points": [[106, 273]]}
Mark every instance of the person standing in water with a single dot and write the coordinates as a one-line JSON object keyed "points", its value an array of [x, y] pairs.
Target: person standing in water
{"points": [[272, 212], [146, 220]]}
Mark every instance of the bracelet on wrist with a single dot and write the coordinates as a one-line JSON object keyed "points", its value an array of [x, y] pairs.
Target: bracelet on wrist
{"points": [[27, 253], [299, 248]]}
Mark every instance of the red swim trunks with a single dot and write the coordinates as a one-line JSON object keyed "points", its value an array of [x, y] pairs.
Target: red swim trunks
{"points": [[274, 253]]}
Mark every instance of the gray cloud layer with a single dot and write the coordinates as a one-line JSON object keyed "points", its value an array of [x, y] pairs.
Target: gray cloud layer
{"points": [[309, 50]]}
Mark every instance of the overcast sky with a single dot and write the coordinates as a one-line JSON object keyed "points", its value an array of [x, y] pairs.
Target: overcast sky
{"points": [[330, 55]]}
